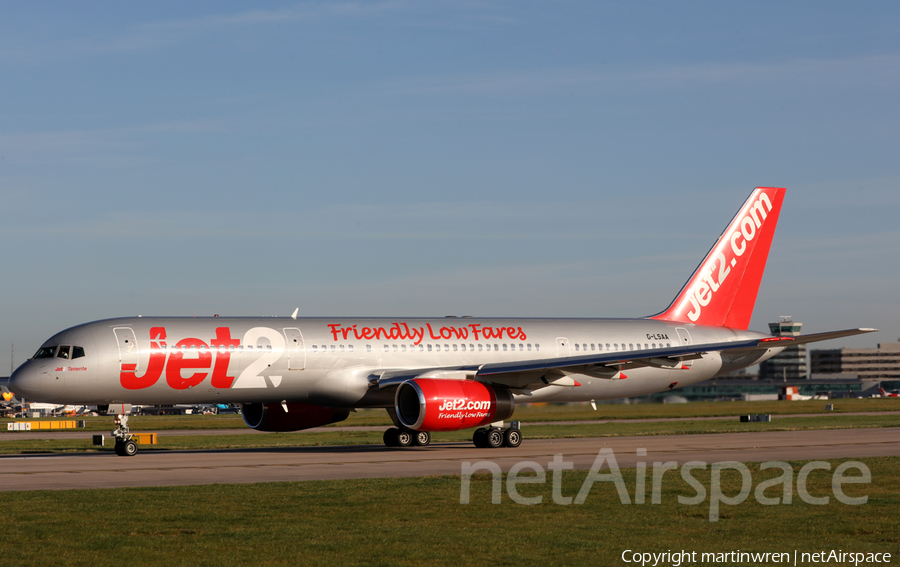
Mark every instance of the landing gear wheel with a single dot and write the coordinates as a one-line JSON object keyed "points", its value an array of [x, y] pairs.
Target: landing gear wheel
{"points": [[129, 448], [480, 438], [119, 451], [405, 438], [512, 437], [390, 437], [494, 438], [422, 438]]}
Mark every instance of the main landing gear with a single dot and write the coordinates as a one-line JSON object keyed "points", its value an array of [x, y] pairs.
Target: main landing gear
{"points": [[402, 437], [485, 437], [493, 437], [125, 445]]}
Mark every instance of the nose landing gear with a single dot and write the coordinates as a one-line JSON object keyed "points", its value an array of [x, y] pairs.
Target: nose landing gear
{"points": [[125, 445]]}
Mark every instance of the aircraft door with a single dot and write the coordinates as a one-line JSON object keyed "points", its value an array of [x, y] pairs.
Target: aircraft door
{"points": [[684, 339], [295, 348], [562, 346], [128, 347]]}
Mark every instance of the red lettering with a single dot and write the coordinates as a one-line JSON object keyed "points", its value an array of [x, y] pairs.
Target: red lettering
{"points": [[334, 329], [223, 340], [366, 333], [178, 362], [475, 329], [129, 378], [431, 332]]}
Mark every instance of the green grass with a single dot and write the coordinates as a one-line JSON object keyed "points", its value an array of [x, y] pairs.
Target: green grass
{"points": [[530, 413], [23, 443], [420, 521]]}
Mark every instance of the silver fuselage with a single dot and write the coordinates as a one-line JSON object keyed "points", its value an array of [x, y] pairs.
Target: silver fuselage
{"points": [[335, 361]]}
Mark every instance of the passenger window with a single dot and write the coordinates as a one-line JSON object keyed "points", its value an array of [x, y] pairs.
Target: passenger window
{"points": [[529, 346], [368, 348], [521, 347], [421, 348], [496, 347], [631, 346], [537, 347], [350, 348], [504, 347], [396, 348], [342, 348], [446, 348], [387, 348], [63, 352], [471, 347], [429, 348], [77, 352], [480, 346], [402, 348], [463, 347], [576, 346]]}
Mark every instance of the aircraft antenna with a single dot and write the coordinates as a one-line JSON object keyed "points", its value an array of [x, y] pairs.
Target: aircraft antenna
{"points": [[294, 315]]}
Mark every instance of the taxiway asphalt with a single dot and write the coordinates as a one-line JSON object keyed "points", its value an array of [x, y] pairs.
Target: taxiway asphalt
{"points": [[171, 468]]}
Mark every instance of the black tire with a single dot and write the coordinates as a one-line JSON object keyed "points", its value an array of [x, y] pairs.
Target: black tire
{"points": [[119, 448], [512, 437], [390, 437], [494, 438], [422, 438], [405, 438], [479, 438], [129, 448]]}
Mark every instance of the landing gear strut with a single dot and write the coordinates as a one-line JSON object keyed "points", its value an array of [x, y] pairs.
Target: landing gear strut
{"points": [[125, 445], [493, 437]]}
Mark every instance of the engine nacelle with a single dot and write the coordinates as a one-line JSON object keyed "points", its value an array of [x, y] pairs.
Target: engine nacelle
{"points": [[272, 417], [426, 404]]}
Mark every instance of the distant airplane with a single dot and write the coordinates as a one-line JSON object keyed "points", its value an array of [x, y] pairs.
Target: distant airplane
{"points": [[440, 374]]}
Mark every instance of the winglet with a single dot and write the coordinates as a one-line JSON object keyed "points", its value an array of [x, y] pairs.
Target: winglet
{"points": [[722, 290]]}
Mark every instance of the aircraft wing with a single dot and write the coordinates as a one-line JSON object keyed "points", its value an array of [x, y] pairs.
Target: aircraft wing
{"points": [[538, 373]]}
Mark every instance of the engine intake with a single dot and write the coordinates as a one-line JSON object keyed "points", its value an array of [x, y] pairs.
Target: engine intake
{"points": [[272, 417], [425, 404]]}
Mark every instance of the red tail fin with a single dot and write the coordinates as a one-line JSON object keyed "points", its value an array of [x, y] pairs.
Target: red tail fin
{"points": [[723, 289]]}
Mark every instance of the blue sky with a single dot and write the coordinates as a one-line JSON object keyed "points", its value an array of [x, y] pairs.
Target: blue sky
{"points": [[410, 158]]}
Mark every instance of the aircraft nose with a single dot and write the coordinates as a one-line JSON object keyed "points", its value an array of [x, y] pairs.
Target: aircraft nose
{"points": [[24, 380]]}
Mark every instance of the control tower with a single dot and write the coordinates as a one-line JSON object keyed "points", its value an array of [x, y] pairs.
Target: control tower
{"points": [[791, 363]]}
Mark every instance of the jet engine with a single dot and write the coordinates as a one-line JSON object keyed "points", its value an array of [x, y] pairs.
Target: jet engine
{"points": [[299, 415], [427, 404]]}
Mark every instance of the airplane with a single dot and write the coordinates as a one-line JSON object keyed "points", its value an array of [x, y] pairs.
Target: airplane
{"points": [[430, 374]]}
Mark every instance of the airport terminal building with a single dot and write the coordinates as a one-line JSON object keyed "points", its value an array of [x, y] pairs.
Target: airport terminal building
{"points": [[882, 363]]}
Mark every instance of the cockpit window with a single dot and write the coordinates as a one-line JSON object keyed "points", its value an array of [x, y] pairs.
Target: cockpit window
{"points": [[63, 352], [45, 352], [77, 352]]}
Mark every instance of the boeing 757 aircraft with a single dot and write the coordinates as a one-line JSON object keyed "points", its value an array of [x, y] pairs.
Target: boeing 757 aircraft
{"points": [[441, 374]]}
